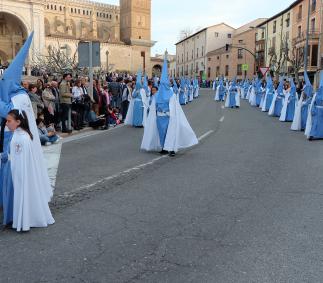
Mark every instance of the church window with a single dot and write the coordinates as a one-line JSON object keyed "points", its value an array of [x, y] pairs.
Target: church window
{"points": [[60, 8], [55, 7], [83, 12], [51, 7], [110, 16], [71, 10], [139, 36], [97, 14], [47, 6], [87, 12]]}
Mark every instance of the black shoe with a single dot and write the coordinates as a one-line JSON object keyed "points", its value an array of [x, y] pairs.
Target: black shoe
{"points": [[310, 138], [67, 131], [163, 152], [172, 153]]}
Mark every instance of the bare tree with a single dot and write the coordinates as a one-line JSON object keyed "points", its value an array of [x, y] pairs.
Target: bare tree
{"points": [[58, 61], [295, 56], [277, 61], [185, 33]]}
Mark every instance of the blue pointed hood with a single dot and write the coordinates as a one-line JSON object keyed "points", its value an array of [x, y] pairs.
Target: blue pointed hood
{"points": [[269, 83], [308, 88], [182, 84], [138, 81], [280, 87], [11, 79], [164, 91], [292, 86]]}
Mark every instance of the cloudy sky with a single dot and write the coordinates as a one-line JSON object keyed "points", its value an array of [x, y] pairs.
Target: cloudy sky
{"points": [[169, 17]]}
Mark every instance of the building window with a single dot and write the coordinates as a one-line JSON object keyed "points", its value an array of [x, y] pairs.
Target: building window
{"points": [[186, 56], [226, 73], [299, 31], [116, 17], [216, 34], [229, 35], [262, 35], [274, 27], [300, 12], [239, 70], [314, 54], [240, 53], [197, 53], [209, 59], [208, 72], [312, 25], [227, 56], [192, 54], [313, 6], [79, 11], [217, 71], [273, 43], [288, 20], [218, 57], [240, 41]]}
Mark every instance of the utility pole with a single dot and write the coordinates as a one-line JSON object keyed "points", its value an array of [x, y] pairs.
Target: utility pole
{"points": [[307, 35]]}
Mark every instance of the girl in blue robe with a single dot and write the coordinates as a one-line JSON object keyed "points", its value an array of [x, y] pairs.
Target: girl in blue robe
{"points": [[291, 104]]}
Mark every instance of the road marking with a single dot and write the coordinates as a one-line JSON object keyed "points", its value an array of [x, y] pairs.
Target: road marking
{"points": [[120, 174], [205, 135], [90, 134], [222, 119], [222, 107]]}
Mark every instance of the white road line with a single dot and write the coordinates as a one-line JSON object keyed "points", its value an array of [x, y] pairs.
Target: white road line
{"points": [[138, 167], [87, 135], [205, 135], [222, 119]]}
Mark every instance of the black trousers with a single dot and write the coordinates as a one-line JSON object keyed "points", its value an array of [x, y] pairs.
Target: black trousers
{"points": [[65, 108], [124, 109]]}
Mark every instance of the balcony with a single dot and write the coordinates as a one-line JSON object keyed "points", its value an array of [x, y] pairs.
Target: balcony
{"points": [[312, 35]]}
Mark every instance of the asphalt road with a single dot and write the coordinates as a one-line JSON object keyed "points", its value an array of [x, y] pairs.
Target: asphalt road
{"points": [[245, 205]]}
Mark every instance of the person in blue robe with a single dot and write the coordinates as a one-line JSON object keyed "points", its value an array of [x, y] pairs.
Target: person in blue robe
{"points": [[317, 114], [245, 89], [259, 93], [232, 96], [279, 100], [220, 91], [138, 107], [269, 94], [162, 106], [291, 102], [307, 99], [9, 87], [182, 95]]}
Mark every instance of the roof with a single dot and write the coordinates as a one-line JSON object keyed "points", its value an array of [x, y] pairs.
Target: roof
{"points": [[281, 12], [204, 29]]}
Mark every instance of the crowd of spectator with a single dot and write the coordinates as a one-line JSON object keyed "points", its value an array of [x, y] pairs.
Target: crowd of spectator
{"points": [[67, 105]]}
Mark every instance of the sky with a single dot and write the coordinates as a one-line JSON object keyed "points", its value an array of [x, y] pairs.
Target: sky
{"points": [[169, 17]]}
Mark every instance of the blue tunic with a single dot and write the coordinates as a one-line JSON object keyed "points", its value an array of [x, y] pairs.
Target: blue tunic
{"points": [[304, 112], [232, 97], [182, 97], [162, 121], [6, 183], [269, 100], [221, 92], [290, 108], [278, 105], [317, 118], [258, 97], [138, 109]]}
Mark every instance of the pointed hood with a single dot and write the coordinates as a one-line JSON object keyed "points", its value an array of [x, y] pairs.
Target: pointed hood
{"points": [[11, 79], [164, 91], [269, 83], [138, 81], [182, 84], [280, 87], [308, 88]]}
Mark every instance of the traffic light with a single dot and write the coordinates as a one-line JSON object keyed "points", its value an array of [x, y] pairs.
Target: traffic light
{"points": [[226, 47]]}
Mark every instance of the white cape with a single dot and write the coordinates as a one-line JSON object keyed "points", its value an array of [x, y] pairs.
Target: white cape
{"points": [[30, 199], [297, 121], [272, 106], [179, 133], [252, 97], [22, 102], [263, 107], [283, 113], [217, 94], [309, 119], [145, 102]]}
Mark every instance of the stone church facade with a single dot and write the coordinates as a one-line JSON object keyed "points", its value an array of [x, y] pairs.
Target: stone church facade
{"points": [[124, 31]]}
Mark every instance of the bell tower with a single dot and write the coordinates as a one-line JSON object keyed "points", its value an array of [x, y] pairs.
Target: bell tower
{"points": [[135, 21]]}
